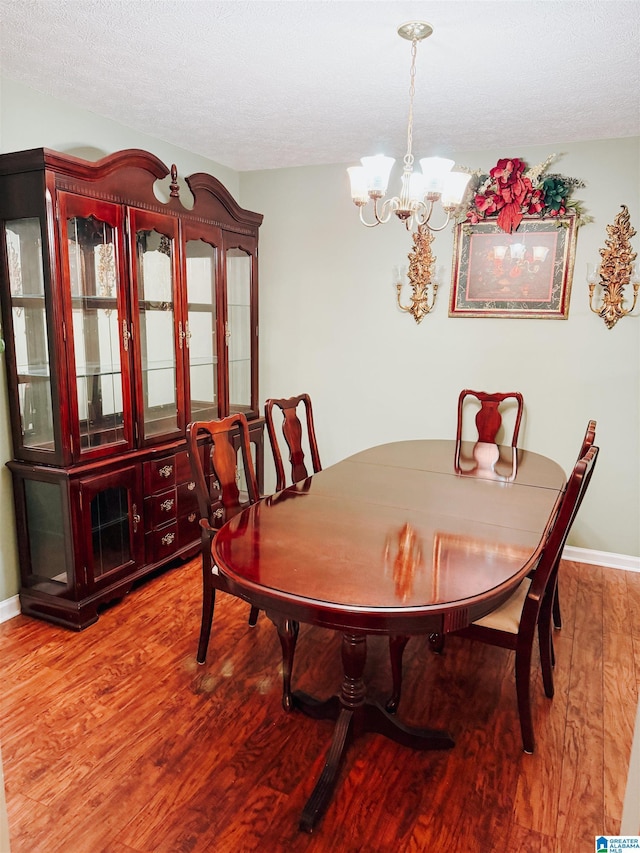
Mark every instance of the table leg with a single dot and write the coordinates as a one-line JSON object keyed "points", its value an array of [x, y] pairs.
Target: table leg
{"points": [[354, 716], [288, 634]]}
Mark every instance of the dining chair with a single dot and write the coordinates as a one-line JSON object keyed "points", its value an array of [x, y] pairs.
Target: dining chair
{"points": [[292, 432], [219, 499], [513, 625], [489, 417], [588, 440]]}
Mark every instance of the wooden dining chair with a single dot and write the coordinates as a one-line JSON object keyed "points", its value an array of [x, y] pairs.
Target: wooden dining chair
{"points": [[292, 432], [513, 625], [587, 442], [219, 499], [489, 417]]}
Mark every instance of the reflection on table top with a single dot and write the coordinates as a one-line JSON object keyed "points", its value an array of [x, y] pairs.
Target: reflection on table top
{"points": [[392, 530]]}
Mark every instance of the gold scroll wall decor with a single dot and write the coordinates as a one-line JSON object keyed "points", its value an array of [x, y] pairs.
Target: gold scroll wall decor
{"points": [[421, 275], [616, 271]]}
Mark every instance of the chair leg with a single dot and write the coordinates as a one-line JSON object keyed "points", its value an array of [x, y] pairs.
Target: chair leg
{"points": [[396, 650], [523, 690], [253, 615], [557, 618], [546, 659], [208, 603]]}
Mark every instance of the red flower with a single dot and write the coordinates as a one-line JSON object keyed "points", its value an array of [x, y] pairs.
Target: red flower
{"points": [[507, 171], [488, 204], [536, 202]]}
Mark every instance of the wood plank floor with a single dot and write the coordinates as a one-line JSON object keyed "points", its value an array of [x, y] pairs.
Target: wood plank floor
{"points": [[115, 741]]}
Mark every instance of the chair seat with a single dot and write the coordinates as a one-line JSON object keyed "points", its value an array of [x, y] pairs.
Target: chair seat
{"points": [[507, 617]]}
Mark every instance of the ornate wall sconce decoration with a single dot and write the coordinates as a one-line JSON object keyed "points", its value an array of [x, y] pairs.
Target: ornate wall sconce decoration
{"points": [[421, 276], [615, 271]]}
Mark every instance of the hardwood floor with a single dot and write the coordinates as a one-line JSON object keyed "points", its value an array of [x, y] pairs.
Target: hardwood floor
{"points": [[115, 741]]}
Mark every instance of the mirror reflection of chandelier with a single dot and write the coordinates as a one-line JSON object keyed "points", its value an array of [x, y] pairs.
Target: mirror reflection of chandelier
{"points": [[517, 253], [419, 190]]}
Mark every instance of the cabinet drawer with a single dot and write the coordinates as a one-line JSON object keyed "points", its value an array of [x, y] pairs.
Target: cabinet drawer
{"points": [[183, 466], [159, 474], [163, 507], [162, 543], [189, 529], [187, 497]]}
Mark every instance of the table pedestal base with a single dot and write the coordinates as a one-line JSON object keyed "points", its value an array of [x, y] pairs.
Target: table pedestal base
{"points": [[354, 716]]}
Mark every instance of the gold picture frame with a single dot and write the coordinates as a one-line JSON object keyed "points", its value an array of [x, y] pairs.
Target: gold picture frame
{"points": [[525, 274]]}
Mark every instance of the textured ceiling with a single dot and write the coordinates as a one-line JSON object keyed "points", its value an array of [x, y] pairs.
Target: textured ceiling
{"points": [[256, 85]]}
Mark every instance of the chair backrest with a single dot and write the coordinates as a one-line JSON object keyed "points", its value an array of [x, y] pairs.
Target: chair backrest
{"points": [[560, 528], [228, 436], [589, 438], [292, 432], [488, 417]]}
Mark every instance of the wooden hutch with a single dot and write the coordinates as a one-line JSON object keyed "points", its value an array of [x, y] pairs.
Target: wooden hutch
{"points": [[125, 317]]}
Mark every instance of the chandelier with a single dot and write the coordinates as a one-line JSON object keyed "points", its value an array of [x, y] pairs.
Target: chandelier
{"points": [[418, 190]]}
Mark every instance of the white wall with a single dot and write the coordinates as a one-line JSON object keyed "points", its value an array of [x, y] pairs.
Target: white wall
{"points": [[329, 326]]}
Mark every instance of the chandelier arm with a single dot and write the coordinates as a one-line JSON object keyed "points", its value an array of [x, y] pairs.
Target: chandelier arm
{"points": [[431, 227], [380, 216], [368, 224]]}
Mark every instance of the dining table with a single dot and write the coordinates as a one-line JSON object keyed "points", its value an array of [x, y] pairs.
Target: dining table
{"points": [[411, 537]]}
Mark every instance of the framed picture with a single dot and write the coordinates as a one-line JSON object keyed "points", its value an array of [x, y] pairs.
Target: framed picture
{"points": [[524, 274]]}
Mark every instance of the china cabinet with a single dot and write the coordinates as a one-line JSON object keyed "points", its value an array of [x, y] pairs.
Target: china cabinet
{"points": [[127, 312]]}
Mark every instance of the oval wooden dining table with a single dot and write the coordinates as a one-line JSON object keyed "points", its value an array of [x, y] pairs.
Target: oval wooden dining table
{"points": [[412, 537]]}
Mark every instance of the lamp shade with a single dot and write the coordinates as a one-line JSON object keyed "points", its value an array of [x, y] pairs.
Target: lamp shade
{"points": [[378, 170], [359, 184], [455, 186], [417, 187], [435, 170]]}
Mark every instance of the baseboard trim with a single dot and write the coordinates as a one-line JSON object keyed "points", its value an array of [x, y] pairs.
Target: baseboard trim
{"points": [[602, 558], [10, 607]]}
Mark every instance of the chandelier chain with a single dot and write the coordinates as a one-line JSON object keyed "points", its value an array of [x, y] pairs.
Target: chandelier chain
{"points": [[408, 157]]}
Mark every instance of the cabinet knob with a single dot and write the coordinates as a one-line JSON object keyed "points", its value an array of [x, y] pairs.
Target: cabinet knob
{"points": [[166, 471], [167, 505], [168, 538]]}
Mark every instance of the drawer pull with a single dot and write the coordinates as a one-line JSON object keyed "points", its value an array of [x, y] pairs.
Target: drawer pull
{"points": [[192, 517], [191, 486], [167, 506], [135, 517], [218, 513], [166, 471], [168, 538]]}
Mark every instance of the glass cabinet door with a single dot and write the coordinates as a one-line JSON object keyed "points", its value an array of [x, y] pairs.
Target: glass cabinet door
{"points": [[159, 359], [23, 239], [112, 524], [92, 253], [200, 334], [241, 330]]}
